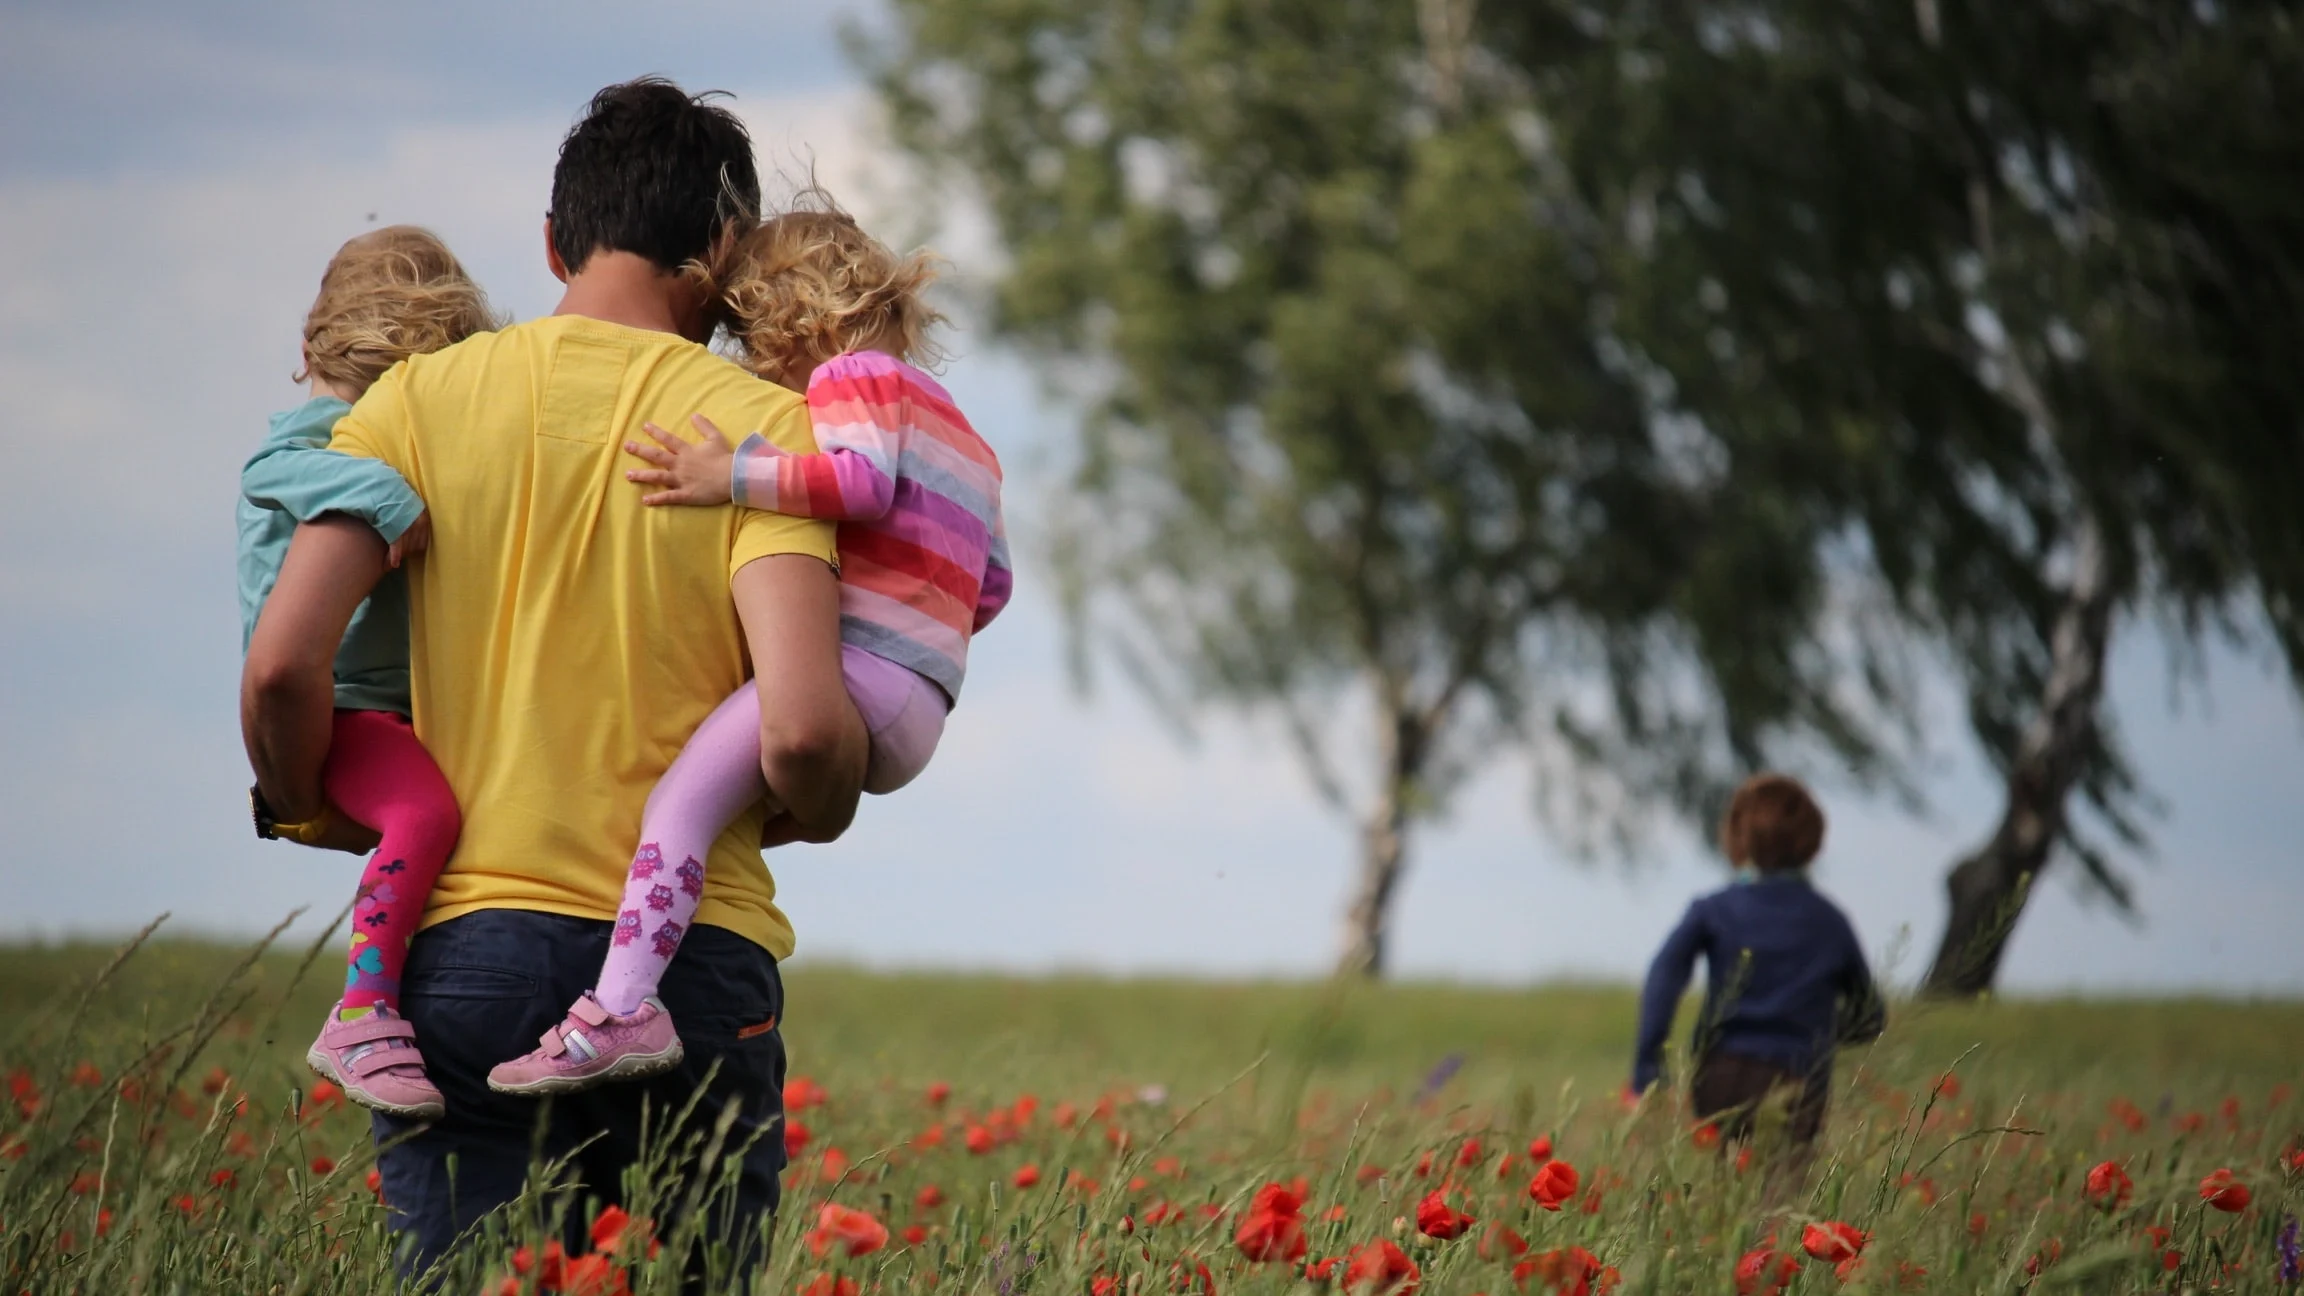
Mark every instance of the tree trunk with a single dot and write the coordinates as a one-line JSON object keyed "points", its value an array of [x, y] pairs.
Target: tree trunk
{"points": [[1383, 849], [1989, 888]]}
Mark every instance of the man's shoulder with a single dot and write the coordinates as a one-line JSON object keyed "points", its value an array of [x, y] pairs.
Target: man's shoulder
{"points": [[679, 371]]}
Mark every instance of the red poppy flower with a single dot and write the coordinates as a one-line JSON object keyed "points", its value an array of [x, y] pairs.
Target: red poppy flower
{"points": [[1196, 1279], [1706, 1136], [611, 1227], [593, 1275], [2045, 1256], [827, 1285], [1572, 1272], [1368, 1173], [1948, 1085], [1540, 1149], [1437, 1220], [978, 1140], [376, 1183], [802, 1093], [1380, 1269], [1765, 1271], [1833, 1241], [1026, 1176], [1553, 1184], [85, 1076], [915, 1235], [1501, 1243], [1067, 1115], [938, 1092], [323, 1165], [1265, 1236], [852, 1232], [1469, 1154], [930, 1198], [796, 1138], [2109, 1185], [1321, 1271], [2225, 1193]]}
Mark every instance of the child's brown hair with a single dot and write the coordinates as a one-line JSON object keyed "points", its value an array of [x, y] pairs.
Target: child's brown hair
{"points": [[1772, 824], [387, 295], [808, 284]]}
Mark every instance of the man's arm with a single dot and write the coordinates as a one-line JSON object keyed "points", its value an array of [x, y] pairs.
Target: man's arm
{"points": [[288, 685], [812, 741]]}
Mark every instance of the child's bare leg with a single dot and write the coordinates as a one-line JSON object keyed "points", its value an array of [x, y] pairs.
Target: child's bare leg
{"points": [[715, 779]]}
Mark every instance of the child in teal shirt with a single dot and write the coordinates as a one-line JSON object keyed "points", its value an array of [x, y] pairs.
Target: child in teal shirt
{"points": [[385, 296]]}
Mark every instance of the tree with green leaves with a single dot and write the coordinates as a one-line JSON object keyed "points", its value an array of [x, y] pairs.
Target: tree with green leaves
{"points": [[1618, 385], [2078, 213]]}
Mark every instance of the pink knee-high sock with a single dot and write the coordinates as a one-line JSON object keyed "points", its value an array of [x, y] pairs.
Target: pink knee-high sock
{"points": [[716, 776], [380, 775]]}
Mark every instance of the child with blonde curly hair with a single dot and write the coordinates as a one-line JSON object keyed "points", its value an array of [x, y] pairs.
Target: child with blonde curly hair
{"points": [[821, 307], [386, 295]]}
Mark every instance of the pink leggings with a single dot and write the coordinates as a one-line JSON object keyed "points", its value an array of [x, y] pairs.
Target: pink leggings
{"points": [[379, 775], [716, 778]]}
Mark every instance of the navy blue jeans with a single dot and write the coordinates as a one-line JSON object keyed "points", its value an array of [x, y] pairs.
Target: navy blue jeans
{"points": [[481, 988]]}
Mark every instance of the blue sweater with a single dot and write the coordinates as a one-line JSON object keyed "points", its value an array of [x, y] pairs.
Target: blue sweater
{"points": [[294, 477], [1803, 989]]}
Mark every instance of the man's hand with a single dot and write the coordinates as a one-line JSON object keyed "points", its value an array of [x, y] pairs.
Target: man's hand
{"points": [[413, 541], [812, 741], [288, 684], [697, 471]]}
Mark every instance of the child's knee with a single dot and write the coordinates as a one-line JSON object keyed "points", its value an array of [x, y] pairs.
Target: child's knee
{"points": [[424, 830]]}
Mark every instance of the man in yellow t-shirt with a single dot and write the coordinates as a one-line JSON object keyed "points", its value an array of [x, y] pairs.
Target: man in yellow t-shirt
{"points": [[564, 642]]}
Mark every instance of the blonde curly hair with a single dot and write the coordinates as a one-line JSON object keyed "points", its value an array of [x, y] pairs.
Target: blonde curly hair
{"points": [[387, 295], [808, 284]]}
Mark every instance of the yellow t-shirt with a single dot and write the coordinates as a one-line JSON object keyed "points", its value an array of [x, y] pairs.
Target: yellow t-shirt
{"points": [[564, 639]]}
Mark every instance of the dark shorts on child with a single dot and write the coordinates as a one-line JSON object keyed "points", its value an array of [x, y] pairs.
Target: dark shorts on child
{"points": [[1729, 1088], [481, 988]]}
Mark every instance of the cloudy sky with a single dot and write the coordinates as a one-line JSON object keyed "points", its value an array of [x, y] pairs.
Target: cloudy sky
{"points": [[170, 187]]}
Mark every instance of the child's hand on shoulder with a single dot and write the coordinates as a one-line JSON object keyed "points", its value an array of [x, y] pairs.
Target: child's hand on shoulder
{"points": [[697, 472]]}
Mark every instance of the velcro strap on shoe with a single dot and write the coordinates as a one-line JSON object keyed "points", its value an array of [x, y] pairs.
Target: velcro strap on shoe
{"points": [[587, 1010], [374, 1026], [368, 1064], [551, 1043]]}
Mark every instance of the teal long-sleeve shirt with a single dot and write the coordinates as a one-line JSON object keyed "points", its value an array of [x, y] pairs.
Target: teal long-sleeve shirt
{"points": [[293, 477]]}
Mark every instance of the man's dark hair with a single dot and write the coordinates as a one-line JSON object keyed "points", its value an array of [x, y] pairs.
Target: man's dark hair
{"points": [[651, 170]]}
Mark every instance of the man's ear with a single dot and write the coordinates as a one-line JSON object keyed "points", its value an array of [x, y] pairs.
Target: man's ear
{"points": [[552, 259]]}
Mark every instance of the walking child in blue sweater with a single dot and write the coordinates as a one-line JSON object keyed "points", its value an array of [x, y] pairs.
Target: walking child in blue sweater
{"points": [[1784, 983]]}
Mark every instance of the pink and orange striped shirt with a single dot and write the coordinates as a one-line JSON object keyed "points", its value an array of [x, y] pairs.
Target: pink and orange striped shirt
{"points": [[923, 554]]}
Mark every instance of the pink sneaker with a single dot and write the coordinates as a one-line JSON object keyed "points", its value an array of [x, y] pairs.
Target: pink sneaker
{"points": [[373, 1058], [593, 1046]]}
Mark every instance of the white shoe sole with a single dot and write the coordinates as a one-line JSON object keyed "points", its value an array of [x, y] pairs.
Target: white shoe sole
{"points": [[631, 1066], [326, 1070]]}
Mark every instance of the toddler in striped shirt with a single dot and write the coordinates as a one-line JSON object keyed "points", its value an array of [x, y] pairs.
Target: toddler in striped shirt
{"points": [[821, 307]]}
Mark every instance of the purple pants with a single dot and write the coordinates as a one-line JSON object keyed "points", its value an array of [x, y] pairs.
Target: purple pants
{"points": [[717, 777]]}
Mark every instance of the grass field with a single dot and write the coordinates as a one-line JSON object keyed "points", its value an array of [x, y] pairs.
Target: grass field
{"points": [[163, 1136]]}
